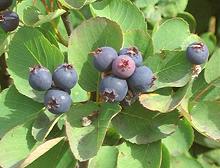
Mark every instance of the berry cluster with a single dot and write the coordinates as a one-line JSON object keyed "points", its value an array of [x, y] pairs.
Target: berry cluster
{"points": [[9, 20], [125, 73], [58, 86]]}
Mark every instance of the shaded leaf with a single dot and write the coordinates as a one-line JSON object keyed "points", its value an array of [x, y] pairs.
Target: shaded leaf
{"points": [[181, 140], [16, 145], [164, 100], [212, 71], [40, 150], [16, 109], [141, 126], [43, 125]]}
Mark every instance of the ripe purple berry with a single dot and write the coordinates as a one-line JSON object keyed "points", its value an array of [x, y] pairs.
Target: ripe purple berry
{"points": [[57, 101], [141, 80], [40, 78], [134, 53], [197, 53], [65, 77], [4, 4], [123, 66], [103, 58], [113, 89], [9, 21]]}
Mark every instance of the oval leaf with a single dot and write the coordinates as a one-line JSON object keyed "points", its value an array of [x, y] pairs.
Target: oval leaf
{"points": [[28, 48], [126, 14], [86, 141], [94, 33]]}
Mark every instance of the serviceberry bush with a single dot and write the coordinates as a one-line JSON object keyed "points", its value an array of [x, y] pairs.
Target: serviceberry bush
{"points": [[109, 83]]}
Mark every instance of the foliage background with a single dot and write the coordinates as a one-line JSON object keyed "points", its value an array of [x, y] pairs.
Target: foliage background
{"points": [[175, 124]]}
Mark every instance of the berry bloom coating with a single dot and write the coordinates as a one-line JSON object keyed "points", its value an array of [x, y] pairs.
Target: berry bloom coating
{"points": [[5, 4], [134, 53], [9, 21], [103, 58], [65, 77], [123, 66], [197, 53], [113, 89], [141, 80], [40, 78], [57, 101]]}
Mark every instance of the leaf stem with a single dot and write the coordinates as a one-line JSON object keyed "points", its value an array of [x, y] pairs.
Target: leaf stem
{"points": [[67, 22], [83, 164], [97, 88]]}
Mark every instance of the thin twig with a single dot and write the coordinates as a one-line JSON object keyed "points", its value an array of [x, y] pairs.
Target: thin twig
{"points": [[83, 164], [67, 23]]}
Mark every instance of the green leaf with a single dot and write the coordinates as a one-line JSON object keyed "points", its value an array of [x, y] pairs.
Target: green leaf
{"points": [[201, 90], [126, 14], [165, 163], [210, 40], [141, 40], [184, 161], [206, 162], [205, 141], [204, 118], [106, 157], [93, 33], [181, 140], [141, 156], [28, 48], [73, 4], [163, 100], [47, 18], [16, 145], [212, 157], [171, 68], [212, 71], [3, 41], [86, 141], [78, 94], [141, 126], [43, 125], [40, 150], [145, 3], [60, 156], [169, 8], [190, 20], [31, 15], [170, 34], [16, 109]]}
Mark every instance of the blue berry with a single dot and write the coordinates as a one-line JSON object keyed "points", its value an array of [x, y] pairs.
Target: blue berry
{"points": [[197, 53], [40, 78], [103, 58], [57, 101], [113, 89], [4, 4], [123, 66], [65, 77], [141, 80], [134, 53], [9, 21]]}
